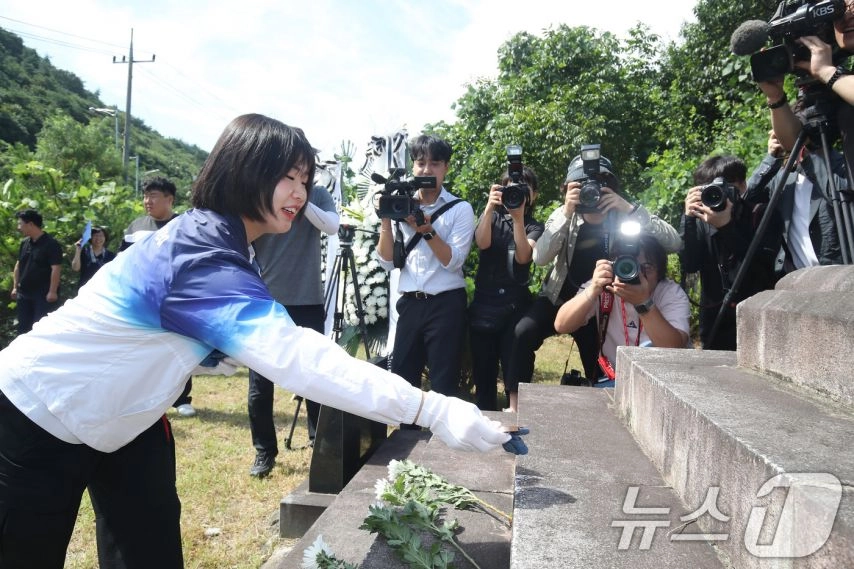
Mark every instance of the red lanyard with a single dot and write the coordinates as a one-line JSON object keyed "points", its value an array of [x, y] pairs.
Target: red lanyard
{"points": [[626, 328]]}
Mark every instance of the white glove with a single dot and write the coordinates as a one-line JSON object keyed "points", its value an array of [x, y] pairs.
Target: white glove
{"points": [[459, 424], [224, 366]]}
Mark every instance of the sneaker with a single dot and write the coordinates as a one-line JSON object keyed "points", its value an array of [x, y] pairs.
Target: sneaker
{"points": [[263, 465], [186, 410]]}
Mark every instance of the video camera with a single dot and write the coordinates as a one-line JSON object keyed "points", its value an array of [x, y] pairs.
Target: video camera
{"points": [[793, 19], [516, 193], [396, 201], [624, 250], [716, 194]]}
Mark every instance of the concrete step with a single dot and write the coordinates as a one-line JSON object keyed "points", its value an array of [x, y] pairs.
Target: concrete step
{"points": [[801, 331], [585, 490], [485, 539], [708, 424]]}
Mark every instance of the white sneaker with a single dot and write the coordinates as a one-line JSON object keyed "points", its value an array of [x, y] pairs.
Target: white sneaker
{"points": [[186, 410]]}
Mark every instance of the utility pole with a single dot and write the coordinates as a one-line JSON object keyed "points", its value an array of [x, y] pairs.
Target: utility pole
{"points": [[130, 61]]}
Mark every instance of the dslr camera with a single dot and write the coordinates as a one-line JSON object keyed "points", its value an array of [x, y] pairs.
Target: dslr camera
{"points": [[716, 194], [594, 171], [396, 201], [624, 250], [516, 193], [794, 19]]}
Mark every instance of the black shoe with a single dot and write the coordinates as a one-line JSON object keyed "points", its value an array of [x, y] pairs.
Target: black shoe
{"points": [[263, 465]]}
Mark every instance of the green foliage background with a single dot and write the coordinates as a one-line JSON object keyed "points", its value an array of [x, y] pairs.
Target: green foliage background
{"points": [[658, 108]]}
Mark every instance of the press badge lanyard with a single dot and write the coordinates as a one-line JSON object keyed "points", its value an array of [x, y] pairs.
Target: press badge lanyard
{"points": [[606, 304]]}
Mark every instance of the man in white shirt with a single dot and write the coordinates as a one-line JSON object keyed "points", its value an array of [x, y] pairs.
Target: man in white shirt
{"points": [[431, 309]]}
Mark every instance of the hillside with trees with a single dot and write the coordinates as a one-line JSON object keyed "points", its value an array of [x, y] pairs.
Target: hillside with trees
{"points": [[61, 159]]}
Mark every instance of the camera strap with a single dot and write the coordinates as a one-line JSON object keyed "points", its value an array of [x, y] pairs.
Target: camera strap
{"points": [[413, 241], [606, 304]]}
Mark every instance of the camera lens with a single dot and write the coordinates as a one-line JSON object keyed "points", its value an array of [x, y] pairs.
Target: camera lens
{"points": [[513, 196], [590, 193], [714, 197], [627, 269]]}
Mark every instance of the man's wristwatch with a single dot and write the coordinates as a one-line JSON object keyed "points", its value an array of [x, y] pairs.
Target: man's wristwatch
{"points": [[644, 307], [428, 235]]}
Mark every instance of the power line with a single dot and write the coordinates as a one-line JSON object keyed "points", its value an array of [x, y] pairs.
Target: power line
{"points": [[58, 42], [61, 32]]}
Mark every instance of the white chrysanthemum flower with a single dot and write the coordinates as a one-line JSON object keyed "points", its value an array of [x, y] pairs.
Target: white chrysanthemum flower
{"points": [[309, 556], [382, 300], [382, 312], [380, 488], [373, 265], [395, 468], [365, 291], [371, 301]]}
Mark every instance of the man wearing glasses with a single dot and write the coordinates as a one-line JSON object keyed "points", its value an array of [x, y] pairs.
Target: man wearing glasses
{"points": [[653, 310]]}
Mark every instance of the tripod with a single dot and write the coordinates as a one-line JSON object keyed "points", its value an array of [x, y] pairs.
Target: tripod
{"points": [[334, 299], [816, 125]]}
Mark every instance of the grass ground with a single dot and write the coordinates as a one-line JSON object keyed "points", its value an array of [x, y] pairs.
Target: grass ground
{"points": [[228, 518]]}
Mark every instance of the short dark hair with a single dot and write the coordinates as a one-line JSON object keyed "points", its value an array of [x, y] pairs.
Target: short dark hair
{"points": [[159, 183], [731, 168], [430, 146], [98, 229], [253, 154], [655, 254], [30, 216], [528, 175]]}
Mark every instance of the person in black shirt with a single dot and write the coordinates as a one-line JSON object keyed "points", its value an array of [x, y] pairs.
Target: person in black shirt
{"points": [[716, 243], [35, 280], [505, 239]]}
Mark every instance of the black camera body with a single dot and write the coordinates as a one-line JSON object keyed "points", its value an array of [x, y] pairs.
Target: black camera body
{"points": [[794, 19], [624, 251], [716, 194], [515, 194], [593, 182], [396, 201]]}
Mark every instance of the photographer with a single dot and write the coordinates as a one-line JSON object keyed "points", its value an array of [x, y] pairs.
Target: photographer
{"points": [[655, 310], [505, 238], [431, 309], [716, 239], [820, 67], [574, 240], [809, 231]]}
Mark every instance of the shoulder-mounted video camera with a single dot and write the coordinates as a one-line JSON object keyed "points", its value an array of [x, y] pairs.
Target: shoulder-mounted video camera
{"points": [[516, 193], [716, 194], [793, 19], [624, 250], [594, 171], [396, 201]]}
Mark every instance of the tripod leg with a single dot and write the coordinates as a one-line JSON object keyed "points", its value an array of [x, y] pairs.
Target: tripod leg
{"points": [[360, 311], [290, 438]]}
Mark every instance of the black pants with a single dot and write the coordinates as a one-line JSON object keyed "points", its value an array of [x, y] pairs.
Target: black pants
{"points": [[488, 350], [185, 395], [133, 493], [30, 309], [532, 330], [431, 331], [260, 399]]}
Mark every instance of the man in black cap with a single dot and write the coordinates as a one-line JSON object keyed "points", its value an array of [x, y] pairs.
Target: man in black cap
{"points": [[574, 239]]}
